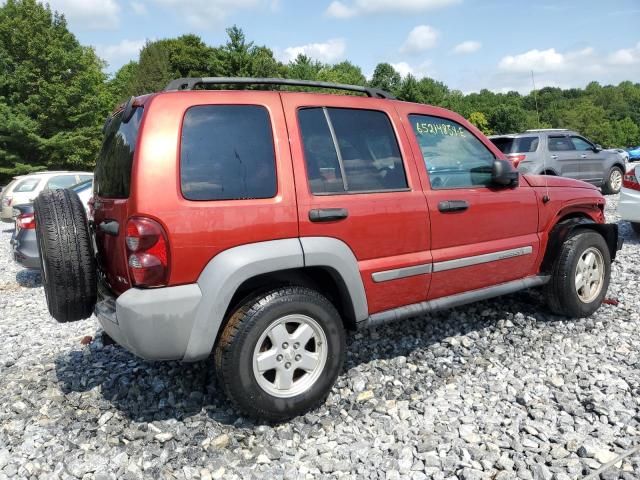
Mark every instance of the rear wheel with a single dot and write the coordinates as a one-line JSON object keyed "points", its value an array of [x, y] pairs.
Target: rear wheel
{"points": [[580, 276], [66, 255], [280, 353], [613, 183]]}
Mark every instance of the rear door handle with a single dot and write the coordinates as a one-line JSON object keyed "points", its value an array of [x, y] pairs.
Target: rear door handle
{"points": [[554, 156], [328, 214], [453, 205], [583, 156]]}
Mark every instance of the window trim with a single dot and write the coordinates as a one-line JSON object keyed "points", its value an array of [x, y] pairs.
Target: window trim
{"points": [[325, 108], [424, 162], [273, 146]]}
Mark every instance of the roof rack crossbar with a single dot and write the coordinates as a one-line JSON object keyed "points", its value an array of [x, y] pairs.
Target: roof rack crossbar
{"points": [[191, 83]]}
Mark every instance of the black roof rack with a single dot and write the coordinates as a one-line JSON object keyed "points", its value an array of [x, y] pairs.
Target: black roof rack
{"points": [[191, 83]]}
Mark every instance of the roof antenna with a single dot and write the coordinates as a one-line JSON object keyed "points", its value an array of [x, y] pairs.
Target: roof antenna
{"points": [[545, 198]]}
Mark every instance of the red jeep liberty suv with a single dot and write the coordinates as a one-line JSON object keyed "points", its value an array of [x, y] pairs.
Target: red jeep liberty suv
{"points": [[258, 225]]}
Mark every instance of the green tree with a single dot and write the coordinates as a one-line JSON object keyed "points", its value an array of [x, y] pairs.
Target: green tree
{"points": [[386, 78], [507, 119], [480, 121], [53, 97]]}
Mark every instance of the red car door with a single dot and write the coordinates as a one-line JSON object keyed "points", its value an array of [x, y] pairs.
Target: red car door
{"points": [[351, 156], [481, 234]]}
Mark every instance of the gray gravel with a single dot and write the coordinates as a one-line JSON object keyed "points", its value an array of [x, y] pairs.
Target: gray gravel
{"points": [[496, 390]]}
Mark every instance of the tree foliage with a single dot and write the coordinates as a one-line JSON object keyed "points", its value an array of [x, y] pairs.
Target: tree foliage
{"points": [[54, 95]]}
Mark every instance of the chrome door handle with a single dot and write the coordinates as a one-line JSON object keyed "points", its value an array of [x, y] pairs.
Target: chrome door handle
{"points": [[554, 156], [583, 156]]}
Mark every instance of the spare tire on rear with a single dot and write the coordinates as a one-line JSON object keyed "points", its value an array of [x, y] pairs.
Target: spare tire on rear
{"points": [[66, 255]]}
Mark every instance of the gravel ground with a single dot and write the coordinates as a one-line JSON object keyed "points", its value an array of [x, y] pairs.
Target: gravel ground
{"points": [[496, 390]]}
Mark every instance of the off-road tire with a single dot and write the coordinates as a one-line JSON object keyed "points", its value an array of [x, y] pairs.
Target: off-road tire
{"points": [[66, 255], [234, 350], [561, 295], [607, 186]]}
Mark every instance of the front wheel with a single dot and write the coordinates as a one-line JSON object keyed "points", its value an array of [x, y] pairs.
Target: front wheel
{"points": [[580, 276], [613, 183], [280, 353]]}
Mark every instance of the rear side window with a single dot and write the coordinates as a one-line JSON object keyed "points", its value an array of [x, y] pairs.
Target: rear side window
{"points": [[349, 150], [516, 145], [560, 144], [113, 168], [227, 153], [26, 185], [61, 181]]}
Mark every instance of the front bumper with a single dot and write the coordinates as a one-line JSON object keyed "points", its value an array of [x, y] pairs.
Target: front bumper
{"points": [[629, 205], [154, 324]]}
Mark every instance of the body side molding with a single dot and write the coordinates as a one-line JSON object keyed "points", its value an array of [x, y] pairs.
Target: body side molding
{"points": [[453, 300], [484, 258]]}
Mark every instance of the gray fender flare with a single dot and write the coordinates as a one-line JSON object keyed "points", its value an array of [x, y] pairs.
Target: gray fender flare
{"points": [[222, 276]]}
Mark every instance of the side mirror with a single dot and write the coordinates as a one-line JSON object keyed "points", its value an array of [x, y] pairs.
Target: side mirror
{"points": [[597, 148], [504, 174]]}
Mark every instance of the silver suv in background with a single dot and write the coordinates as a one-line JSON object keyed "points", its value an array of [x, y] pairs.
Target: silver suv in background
{"points": [[564, 153]]}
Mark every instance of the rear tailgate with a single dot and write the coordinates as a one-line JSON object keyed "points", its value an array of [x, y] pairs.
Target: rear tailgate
{"points": [[112, 183]]}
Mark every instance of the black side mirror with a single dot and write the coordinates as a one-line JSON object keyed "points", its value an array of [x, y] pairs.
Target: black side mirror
{"points": [[597, 148], [504, 174]]}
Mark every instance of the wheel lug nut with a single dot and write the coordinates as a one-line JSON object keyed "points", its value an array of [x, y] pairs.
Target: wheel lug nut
{"points": [[287, 365], [298, 357], [279, 358], [285, 345], [296, 345]]}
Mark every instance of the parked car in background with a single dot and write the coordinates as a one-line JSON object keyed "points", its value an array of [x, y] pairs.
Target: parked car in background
{"points": [[26, 188], [629, 204], [634, 153], [564, 153], [271, 221], [25, 246]]}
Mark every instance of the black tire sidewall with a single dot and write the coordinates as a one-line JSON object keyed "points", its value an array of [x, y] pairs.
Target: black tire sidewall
{"points": [[565, 281], [245, 390]]}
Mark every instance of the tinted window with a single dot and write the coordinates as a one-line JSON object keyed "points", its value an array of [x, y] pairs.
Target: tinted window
{"points": [[26, 185], [79, 187], [454, 157], [61, 181], [364, 156], [516, 145], [85, 177], [581, 144], [113, 168], [227, 153], [560, 144]]}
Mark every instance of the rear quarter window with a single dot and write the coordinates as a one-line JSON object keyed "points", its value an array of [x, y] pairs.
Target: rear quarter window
{"points": [[26, 185], [227, 153], [113, 168]]}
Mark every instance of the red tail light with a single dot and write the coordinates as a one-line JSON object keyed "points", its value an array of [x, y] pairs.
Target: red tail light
{"points": [[632, 179], [26, 221], [516, 158], [148, 252]]}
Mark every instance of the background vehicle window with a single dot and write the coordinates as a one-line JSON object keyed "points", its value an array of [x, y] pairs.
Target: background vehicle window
{"points": [[581, 144], [454, 157], [113, 167], [85, 177], [26, 185], [227, 153], [367, 157], [61, 181], [516, 145], [560, 144]]}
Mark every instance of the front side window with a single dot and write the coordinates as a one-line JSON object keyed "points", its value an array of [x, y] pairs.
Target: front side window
{"points": [[227, 153], [26, 185], [454, 157], [560, 144], [581, 144], [61, 181], [350, 150]]}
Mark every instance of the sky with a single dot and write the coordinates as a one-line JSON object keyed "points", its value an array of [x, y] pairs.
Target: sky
{"points": [[467, 44]]}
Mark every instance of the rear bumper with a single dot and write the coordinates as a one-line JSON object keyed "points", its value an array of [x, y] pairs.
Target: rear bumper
{"points": [[629, 205], [154, 324], [25, 249]]}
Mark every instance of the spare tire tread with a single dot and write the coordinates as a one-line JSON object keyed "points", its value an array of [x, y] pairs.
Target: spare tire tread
{"points": [[66, 255]]}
